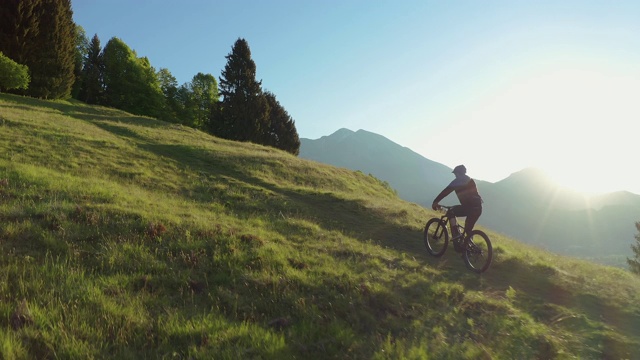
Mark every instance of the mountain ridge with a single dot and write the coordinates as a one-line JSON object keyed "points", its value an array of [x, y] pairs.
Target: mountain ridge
{"points": [[373, 153]]}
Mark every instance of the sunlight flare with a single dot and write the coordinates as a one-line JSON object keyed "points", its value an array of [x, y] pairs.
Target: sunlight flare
{"points": [[577, 125]]}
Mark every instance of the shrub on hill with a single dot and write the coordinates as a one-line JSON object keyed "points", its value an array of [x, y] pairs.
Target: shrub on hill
{"points": [[12, 74]]}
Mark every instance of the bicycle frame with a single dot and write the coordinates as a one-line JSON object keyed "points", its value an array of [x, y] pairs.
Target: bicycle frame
{"points": [[446, 218]]}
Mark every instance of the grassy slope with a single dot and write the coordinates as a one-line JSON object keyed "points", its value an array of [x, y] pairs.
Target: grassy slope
{"points": [[126, 237]]}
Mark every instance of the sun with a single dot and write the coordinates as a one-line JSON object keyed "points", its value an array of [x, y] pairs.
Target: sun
{"points": [[577, 125], [586, 121]]}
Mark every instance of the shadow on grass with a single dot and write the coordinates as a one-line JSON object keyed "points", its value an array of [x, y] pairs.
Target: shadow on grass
{"points": [[119, 130], [544, 298], [119, 117], [81, 111]]}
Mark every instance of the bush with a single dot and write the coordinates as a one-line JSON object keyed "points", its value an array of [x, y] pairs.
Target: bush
{"points": [[12, 74]]}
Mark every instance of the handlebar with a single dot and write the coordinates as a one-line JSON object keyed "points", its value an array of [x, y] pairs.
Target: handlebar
{"points": [[445, 208]]}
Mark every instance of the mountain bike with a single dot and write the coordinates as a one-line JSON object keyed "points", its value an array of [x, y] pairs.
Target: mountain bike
{"points": [[475, 247]]}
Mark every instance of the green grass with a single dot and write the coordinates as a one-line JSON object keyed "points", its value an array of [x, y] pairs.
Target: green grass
{"points": [[126, 237]]}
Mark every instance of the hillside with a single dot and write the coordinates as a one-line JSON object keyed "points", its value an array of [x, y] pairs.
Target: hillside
{"points": [[527, 205], [127, 237]]}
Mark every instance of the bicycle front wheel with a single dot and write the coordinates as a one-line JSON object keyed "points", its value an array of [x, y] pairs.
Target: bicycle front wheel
{"points": [[436, 237], [478, 251]]}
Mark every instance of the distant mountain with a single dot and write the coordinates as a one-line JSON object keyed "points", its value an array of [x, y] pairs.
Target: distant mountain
{"points": [[414, 177], [526, 205]]}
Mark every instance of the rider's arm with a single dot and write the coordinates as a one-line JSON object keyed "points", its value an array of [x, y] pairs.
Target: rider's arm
{"points": [[441, 196]]}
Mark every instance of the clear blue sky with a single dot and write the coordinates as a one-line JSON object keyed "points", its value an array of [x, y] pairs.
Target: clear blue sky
{"points": [[496, 85]]}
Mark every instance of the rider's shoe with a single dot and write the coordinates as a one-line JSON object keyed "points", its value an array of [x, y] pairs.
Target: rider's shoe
{"points": [[457, 243]]}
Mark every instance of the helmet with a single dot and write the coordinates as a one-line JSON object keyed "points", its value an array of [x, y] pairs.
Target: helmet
{"points": [[460, 169]]}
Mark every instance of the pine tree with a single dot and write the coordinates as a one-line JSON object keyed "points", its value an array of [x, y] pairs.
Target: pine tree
{"points": [[282, 133], [634, 264], [53, 55], [244, 108], [92, 86], [19, 26]]}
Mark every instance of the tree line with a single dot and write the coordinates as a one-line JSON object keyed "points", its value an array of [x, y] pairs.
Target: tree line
{"points": [[44, 54]]}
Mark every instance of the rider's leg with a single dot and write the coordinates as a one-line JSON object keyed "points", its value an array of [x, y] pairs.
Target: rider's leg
{"points": [[473, 214], [457, 210], [453, 222]]}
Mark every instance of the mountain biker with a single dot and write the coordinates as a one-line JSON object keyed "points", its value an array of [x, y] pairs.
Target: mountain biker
{"points": [[470, 200]]}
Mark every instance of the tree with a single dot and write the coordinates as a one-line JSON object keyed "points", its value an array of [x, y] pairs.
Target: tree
{"points": [[244, 108], [131, 83], [184, 99], [82, 49], [52, 53], [169, 86], [12, 74], [634, 264], [203, 95], [282, 133], [149, 99], [19, 26], [118, 59], [92, 85]]}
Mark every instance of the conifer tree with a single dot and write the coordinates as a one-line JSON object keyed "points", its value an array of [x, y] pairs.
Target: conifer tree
{"points": [[282, 133], [19, 26], [92, 86], [244, 109], [634, 263], [53, 53]]}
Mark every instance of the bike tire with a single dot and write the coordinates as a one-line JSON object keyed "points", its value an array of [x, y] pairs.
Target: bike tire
{"points": [[478, 252], [436, 237]]}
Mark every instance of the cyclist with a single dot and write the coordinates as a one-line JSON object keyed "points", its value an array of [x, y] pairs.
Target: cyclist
{"points": [[470, 200]]}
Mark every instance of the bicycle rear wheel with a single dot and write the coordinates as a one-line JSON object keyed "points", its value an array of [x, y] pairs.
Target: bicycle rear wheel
{"points": [[478, 251], [436, 237]]}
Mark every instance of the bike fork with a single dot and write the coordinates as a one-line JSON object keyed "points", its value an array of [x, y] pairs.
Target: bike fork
{"points": [[439, 231]]}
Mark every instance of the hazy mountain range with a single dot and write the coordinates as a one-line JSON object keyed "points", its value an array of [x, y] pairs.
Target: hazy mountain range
{"points": [[526, 205]]}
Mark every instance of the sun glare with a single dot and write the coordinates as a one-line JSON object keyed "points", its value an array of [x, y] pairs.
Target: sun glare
{"points": [[584, 126], [577, 125]]}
